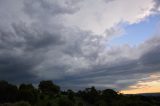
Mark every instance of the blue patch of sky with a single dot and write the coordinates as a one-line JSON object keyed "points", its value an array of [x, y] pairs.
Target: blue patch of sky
{"points": [[138, 33]]}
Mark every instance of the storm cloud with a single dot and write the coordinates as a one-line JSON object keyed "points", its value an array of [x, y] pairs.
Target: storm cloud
{"points": [[39, 41]]}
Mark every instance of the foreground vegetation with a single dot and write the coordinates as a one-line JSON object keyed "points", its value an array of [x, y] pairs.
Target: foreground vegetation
{"points": [[49, 94]]}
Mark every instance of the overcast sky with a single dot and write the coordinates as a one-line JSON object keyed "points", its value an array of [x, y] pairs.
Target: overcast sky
{"points": [[80, 43]]}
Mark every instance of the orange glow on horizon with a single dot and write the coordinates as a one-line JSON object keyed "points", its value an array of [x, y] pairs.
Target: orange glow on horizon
{"points": [[140, 90], [152, 85]]}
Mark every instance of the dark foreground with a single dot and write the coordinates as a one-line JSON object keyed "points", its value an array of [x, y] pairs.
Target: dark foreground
{"points": [[49, 94]]}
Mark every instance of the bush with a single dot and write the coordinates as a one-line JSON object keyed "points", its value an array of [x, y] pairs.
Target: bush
{"points": [[65, 102], [22, 104], [80, 104], [16, 104]]}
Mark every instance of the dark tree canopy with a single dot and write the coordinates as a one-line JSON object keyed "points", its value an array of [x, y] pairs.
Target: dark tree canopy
{"points": [[49, 94], [47, 87], [27, 93], [8, 92]]}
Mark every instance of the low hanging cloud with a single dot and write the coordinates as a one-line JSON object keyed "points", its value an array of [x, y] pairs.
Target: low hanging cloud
{"points": [[38, 42]]}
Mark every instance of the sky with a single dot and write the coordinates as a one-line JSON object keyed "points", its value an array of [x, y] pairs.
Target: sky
{"points": [[144, 30], [82, 43]]}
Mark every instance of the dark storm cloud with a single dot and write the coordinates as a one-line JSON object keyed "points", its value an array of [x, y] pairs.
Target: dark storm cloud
{"points": [[25, 49], [151, 58], [16, 68], [22, 49], [122, 74], [38, 48], [36, 38], [28, 38]]}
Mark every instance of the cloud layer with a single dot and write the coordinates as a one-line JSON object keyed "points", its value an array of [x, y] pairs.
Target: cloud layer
{"points": [[62, 41]]}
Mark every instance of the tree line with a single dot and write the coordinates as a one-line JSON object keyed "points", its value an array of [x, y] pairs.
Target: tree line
{"points": [[49, 94]]}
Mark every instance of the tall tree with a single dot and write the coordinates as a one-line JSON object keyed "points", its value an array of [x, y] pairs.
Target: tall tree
{"points": [[28, 93], [48, 87], [8, 92]]}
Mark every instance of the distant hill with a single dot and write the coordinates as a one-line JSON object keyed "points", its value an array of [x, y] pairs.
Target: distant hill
{"points": [[150, 94]]}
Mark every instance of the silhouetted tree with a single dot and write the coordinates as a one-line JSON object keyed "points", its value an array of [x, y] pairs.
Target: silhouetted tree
{"points": [[80, 104], [47, 87], [28, 93], [89, 97], [109, 95], [65, 102], [71, 95], [90, 94], [22, 103], [8, 92], [100, 103], [49, 104]]}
